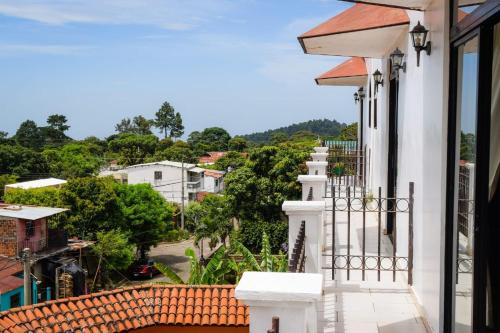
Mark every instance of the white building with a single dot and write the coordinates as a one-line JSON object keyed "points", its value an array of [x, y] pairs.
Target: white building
{"points": [[427, 81], [214, 181], [165, 177]]}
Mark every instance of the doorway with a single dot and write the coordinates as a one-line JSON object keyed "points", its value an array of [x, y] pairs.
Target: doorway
{"points": [[392, 162]]}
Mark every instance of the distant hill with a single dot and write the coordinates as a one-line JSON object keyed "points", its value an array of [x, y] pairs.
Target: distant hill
{"points": [[321, 127]]}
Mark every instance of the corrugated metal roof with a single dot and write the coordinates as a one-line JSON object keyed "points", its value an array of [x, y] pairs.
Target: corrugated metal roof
{"points": [[29, 212], [38, 183], [166, 163]]}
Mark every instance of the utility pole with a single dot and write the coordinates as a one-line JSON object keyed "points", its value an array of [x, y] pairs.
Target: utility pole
{"points": [[25, 258], [182, 196]]}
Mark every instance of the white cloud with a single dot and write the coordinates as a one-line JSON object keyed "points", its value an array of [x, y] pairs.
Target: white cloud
{"points": [[17, 49], [167, 14]]}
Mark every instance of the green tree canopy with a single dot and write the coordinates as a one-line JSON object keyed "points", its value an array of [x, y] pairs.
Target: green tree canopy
{"points": [[179, 151], [114, 249], [5, 180], [139, 125], [165, 119], [147, 216], [238, 143], [232, 159], [349, 133], [23, 162], [133, 148], [210, 139], [72, 160], [29, 135], [177, 129]]}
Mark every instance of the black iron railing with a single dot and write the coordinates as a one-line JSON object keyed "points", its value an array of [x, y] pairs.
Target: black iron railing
{"points": [[310, 194], [298, 256]]}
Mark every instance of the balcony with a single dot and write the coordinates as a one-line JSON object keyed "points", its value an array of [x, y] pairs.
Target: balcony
{"points": [[194, 186], [339, 246]]}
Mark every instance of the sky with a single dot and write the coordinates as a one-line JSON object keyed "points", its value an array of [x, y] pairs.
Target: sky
{"points": [[236, 64]]}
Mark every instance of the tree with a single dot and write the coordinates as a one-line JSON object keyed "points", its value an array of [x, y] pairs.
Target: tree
{"points": [[124, 126], [165, 119], [142, 125], [210, 139], [93, 206], [238, 143], [232, 159], [217, 218], [114, 248], [193, 214], [133, 148], [179, 152], [5, 180], [28, 135], [58, 122], [177, 129], [349, 133], [46, 196], [72, 160], [278, 137], [22, 162], [146, 214]]}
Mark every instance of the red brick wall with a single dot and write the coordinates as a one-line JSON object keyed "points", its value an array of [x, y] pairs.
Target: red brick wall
{"points": [[8, 237]]}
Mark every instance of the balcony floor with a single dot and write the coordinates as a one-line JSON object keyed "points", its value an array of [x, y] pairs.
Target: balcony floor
{"points": [[364, 306]]}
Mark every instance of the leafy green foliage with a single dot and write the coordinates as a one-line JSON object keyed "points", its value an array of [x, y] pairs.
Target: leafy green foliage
{"points": [[179, 151], [232, 159], [22, 162], [238, 143], [349, 133], [133, 148], [250, 235], [114, 248], [168, 121], [210, 139], [29, 135], [47, 197], [323, 127], [5, 180], [72, 160], [139, 125], [146, 215]]}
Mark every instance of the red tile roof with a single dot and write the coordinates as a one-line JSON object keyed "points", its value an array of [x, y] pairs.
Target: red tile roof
{"points": [[131, 308], [360, 17], [214, 173], [353, 67], [9, 266], [10, 283], [212, 156]]}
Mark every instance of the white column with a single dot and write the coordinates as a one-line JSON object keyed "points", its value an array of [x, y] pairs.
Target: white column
{"points": [[317, 183], [317, 168], [321, 149], [312, 213], [292, 297], [319, 157]]}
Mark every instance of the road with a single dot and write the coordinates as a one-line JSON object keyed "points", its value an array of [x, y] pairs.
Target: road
{"points": [[172, 255]]}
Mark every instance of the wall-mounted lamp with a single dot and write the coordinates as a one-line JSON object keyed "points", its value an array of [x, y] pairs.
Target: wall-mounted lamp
{"points": [[419, 38], [356, 98], [377, 79], [397, 62], [359, 95]]}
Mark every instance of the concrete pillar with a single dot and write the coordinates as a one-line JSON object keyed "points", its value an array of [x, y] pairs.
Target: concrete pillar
{"points": [[319, 157], [321, 149], [317, 168], [317, 183], [292, 297], [312, 213]]}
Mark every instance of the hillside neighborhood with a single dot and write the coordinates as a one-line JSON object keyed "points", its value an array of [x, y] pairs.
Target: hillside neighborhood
{"points": [[388, 222]]}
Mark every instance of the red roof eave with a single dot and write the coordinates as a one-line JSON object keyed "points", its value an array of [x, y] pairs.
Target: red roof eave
{"points": [[354, 68]]}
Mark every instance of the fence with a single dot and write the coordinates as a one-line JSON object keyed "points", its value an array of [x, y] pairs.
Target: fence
{"points": [[298, 256], [379, 262]]}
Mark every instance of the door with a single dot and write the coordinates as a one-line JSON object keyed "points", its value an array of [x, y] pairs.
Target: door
{"points": [[472, 281], [392, 162]]}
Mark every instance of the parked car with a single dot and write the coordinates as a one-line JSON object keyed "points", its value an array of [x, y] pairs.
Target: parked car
{"points": [[143, 269]]}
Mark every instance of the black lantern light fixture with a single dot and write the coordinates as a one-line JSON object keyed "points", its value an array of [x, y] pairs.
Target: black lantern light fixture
{"points": [[377, 79], [397, 61], [356, 98], [361, 93], [419, 38]]}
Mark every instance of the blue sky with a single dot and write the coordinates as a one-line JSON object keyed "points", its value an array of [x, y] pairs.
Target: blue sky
{"points": [[230, 63]]}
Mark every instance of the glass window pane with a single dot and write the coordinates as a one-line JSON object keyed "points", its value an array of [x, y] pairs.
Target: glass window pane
{"points": [[465, 7], [464, 218]]}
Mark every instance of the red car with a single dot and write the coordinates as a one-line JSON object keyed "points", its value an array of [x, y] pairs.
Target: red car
{"points": [[144, 269]]}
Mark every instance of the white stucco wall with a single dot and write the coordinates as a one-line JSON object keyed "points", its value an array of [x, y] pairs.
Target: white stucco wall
{"points": [[422, 127]]}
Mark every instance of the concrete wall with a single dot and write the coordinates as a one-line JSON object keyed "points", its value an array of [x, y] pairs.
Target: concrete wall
{"points": [[422, 126]]}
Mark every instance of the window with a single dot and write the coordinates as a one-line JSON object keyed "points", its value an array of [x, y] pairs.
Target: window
{"points": [[216, 182], [158, 175], [30, 229], [15, 300]]}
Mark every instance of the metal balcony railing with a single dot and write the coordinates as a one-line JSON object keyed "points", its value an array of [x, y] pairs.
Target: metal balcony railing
{"points": [[298, 257]]}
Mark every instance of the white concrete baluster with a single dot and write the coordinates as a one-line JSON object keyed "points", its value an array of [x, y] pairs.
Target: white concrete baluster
{"points": [[317, 183], [317, 168], [312, 213], [321, 149], [292, 297]]}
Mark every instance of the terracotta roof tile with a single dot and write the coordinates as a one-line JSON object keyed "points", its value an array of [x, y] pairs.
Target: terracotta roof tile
{"points": [[360, 17], [131, 308]]}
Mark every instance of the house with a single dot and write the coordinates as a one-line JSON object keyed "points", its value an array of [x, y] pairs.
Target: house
{"points": [[166, 177], [400, 233], [26, 227], [137, 309], [39, 183], [214, 181], [211, 157], [11, 283]]}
